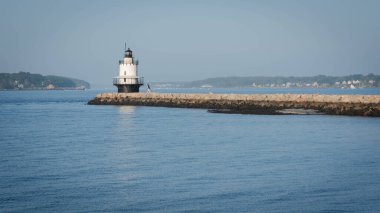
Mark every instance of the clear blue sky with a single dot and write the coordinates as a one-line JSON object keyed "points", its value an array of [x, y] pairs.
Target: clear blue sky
{"points": [[190, 40]]}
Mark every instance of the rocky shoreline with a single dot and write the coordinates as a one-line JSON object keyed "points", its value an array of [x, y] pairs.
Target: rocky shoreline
{"points": [[273, 104]]}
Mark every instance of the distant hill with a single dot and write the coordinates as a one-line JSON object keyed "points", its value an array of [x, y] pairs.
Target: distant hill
{"points": [[359, 81], [26, 80]]}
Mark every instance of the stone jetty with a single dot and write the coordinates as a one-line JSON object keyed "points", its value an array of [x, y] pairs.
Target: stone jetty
{"points": [[357, 105]]}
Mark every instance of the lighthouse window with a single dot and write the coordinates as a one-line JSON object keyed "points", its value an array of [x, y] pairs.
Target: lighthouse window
{"points": [[125, 73], [125, 80]]}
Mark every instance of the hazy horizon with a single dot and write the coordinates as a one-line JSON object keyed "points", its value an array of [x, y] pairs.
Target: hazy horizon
{"points": [[185, 41]]}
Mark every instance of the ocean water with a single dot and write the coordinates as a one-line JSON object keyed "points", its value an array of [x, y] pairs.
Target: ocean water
{"points": [[58, 154]]}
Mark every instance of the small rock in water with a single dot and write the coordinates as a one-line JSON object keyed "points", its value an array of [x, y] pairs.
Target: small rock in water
{"points": [[220, 111], [299, 112]]}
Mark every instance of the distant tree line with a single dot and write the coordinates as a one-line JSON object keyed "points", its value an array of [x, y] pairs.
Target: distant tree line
{"points": [[26, 80], [248, 81]]}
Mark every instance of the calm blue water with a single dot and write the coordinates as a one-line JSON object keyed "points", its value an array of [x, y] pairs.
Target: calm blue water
{"points": [[59, 154]]}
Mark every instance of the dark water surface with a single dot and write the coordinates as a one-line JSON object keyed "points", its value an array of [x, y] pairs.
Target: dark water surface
{"points": [[59, 154]]}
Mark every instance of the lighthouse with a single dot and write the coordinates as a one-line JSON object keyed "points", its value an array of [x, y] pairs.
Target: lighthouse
{"points": [[128, 79]]}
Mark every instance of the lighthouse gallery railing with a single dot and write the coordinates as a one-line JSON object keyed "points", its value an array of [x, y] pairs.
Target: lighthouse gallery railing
{"points": [[128, 80]]}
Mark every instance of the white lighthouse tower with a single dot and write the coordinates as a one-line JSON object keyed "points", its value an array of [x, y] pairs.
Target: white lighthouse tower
{"points": [[128, 80]]}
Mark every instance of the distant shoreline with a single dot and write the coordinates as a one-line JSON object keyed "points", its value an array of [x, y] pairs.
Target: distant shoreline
{"points": [[320, 81], [248, 87], [30, 81], [39, 89]]}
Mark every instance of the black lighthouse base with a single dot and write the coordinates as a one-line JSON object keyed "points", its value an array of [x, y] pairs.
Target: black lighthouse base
{"points": [[123, 88]]}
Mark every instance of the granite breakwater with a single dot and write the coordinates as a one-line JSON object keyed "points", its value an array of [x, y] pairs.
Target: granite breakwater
{"points": [[355, 105]]}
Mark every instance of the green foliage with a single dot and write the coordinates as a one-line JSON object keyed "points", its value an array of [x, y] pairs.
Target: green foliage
{"points": [[247, 81], [26, 80]]}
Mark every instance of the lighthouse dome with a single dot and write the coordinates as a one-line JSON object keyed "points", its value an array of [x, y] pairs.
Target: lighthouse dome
{"points": [[128, 53]]}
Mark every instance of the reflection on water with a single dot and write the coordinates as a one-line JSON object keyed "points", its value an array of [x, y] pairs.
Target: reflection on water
{"points": [[126, 110], [126, 118]]}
